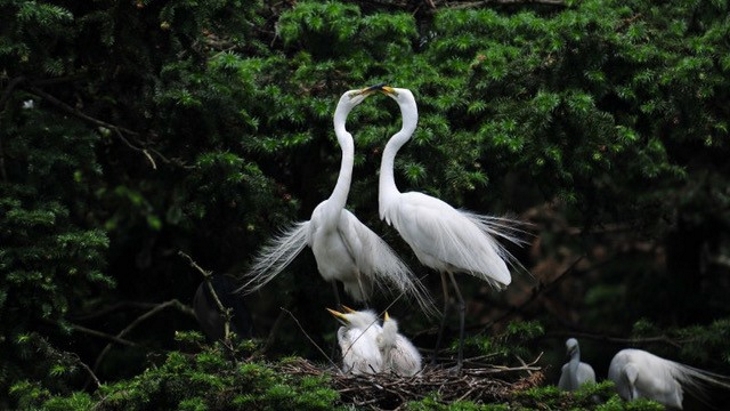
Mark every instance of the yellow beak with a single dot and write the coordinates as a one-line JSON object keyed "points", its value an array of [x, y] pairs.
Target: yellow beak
{"points": [[386, 317], [340, 316]]}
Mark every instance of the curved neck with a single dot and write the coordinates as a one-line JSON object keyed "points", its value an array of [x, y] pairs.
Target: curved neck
{"points": [[573, 366], [409, 112], [347, 144]]}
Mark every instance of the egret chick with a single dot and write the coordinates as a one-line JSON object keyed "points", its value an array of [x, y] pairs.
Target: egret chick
{"points": [[575, 373], [358, 341], [442, 238], [641, 374], [400, 356], [344, 248]]}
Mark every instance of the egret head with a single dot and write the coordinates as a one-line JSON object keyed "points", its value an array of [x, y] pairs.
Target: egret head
{"points": [[389, 324], [571, 345], [352, 98], [357, 319], [398, 94]]}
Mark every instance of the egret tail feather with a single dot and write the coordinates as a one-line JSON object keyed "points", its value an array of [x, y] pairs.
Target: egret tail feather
{"points": [[275, 256]]}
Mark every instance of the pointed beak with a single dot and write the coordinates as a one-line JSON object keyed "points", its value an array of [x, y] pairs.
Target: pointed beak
{"points": [[388, 91], [347, 309], [340, 316], [386, 317]]}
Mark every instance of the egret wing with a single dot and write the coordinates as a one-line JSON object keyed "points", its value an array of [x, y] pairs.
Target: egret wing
{"points": [[379, 262]]}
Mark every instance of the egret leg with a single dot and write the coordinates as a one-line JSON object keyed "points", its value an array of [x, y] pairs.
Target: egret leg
{"points": [[360, 285], [339, 307], [462, 314], [445, 288]]}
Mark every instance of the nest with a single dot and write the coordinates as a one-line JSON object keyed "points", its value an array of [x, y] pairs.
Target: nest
{"points": [[479, 383]]}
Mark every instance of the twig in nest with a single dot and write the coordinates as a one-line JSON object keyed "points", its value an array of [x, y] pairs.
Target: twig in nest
{"points": [[386, 391], [310, 338]]}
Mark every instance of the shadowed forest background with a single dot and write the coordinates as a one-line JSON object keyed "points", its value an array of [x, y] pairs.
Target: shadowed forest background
{"points": [[132, 131]]}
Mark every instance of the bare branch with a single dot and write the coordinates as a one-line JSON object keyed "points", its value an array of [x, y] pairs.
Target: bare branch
{"points": [[118, 130], [159, 307]]}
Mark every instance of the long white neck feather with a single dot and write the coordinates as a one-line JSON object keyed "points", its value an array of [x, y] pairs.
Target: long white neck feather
{"points": [[388, 189], [347, 144]]}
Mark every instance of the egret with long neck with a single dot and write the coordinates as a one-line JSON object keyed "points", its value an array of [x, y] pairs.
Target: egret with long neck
{"points": [[344, 248], [442, 238]]}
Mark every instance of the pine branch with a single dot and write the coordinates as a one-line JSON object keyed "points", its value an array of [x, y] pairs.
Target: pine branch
{"points": [[475, 4], [3, 101], [119, 131]]}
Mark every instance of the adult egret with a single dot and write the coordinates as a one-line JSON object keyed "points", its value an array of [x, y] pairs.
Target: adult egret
{"points": [[442, 237], [358, 341], [575, 373], [344, 248], [400, 356], [641, 374], [208, 309]]}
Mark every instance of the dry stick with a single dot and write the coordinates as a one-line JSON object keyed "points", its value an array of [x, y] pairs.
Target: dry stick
{"points": [[172, 303], [102, 312], [100, 334], [117, 129], [91, 373], [227, 312], [310, 338], [536, 292], [676, 343], [272, 334]]}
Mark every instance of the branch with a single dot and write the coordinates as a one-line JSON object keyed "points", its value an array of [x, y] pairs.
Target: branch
{"points": [[663, 339], [100, 334], [537, 291], [3, 101], [159, 307], [118, 130], [310, 339], [226, 311]]}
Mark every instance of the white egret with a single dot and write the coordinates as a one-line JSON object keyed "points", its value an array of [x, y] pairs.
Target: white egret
{"points": [[575, 373], [641, 374], [442, 237], [344, 248], [358, 341], [400, 356]]}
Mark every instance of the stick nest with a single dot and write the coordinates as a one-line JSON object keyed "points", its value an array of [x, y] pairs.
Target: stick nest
{"points": [[479, 383]]}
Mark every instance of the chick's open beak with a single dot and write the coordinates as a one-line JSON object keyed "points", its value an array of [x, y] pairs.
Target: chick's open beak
{"points": [[340, 316]]}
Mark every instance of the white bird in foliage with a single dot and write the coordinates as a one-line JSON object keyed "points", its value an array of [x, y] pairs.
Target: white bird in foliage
{"points": [[442, 237], [575, 373], [400, 356], [640, 374], [344, 248], [358, 341]]}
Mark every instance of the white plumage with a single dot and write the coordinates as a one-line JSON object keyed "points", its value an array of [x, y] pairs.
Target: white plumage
{"points": [[575, 373], [442, 237], [400, 356], [641, 374], [344, 248], [357, 339]]}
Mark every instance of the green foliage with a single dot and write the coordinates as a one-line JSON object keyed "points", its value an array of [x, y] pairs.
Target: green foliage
{"points": [[588, 397], [208, 380], [514, 342]]}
